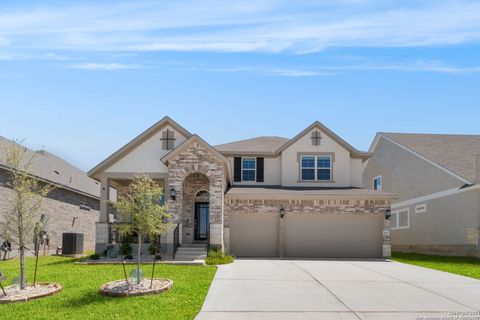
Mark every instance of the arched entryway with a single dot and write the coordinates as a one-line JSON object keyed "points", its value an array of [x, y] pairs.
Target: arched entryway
{"points": [[195, 208]]}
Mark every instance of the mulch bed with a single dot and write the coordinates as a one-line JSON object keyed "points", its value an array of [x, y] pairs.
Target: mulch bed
{"points": [[121, 288], [43, 289]]}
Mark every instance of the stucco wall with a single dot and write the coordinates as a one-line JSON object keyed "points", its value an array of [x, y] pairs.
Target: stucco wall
{"points": [[448, 220], [61, 206], [342, 166], [405, 174], [146, 157]]}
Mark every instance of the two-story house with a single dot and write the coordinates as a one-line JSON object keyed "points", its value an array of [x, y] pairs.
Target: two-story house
{"points": [[262, 197]]}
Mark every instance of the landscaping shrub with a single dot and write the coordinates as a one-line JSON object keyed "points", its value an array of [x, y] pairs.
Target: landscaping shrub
{"points": [[95, 256], [216, 256]]}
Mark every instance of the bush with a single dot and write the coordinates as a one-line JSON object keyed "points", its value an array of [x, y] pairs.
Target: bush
{"points": [[216, 256], [154, 248], [126, 248], [95, 256], [129, 256]]}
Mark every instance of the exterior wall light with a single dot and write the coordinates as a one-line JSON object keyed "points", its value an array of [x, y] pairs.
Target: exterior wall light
{"points": [[388, 214], [173, 194], [282, 212]]}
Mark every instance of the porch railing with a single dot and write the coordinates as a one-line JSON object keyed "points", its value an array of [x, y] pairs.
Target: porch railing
{"points": [[176, 239]]}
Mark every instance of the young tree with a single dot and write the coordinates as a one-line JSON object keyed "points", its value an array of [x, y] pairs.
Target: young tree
{"points": [[140, 212], [28, 195]]}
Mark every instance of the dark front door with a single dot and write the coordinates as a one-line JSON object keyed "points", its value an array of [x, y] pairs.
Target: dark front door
{"points": [[202, 213]]}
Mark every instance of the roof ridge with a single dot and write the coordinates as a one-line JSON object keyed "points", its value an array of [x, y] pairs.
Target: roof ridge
{"points": [[432, 134]]}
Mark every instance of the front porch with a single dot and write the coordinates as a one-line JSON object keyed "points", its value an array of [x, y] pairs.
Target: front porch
{"points": [[194, 190]]}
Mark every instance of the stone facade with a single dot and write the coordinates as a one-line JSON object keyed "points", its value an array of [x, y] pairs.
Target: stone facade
{"points": [[61, 207], [192, 184], [198, 158]]}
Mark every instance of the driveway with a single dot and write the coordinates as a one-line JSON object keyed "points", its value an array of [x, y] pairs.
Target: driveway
{"points": [[328, 289]]}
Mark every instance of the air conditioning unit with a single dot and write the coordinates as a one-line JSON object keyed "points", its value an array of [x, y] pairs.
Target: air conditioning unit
{"points": [[72, 243]]}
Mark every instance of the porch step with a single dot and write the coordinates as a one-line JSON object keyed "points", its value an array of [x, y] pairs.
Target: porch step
{"points": [[191, 252]]}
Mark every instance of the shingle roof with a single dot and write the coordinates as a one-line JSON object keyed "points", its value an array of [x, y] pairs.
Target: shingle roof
{"points": [[457, 153], [304, 191], [254, 146], [50, 167]]}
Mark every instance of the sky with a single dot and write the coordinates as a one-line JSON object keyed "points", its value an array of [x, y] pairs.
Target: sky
{"points": [[82, 78]]}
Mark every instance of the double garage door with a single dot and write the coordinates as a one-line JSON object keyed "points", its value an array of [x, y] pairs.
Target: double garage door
{"points": [[307, 235]]}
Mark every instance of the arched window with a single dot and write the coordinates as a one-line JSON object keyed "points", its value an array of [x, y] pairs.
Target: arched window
{"points": [[202, 193]]}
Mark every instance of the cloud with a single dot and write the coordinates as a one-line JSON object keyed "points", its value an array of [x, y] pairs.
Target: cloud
{"points": [[298, 27], [102, 66]]}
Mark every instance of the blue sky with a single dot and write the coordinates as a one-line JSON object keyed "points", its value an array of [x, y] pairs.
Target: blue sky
{"points": [[81, 79]]}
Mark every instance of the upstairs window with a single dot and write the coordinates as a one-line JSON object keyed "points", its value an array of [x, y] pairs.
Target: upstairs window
{"points": [[168, 139], [316, 168], [377, 183], [249, 169]]}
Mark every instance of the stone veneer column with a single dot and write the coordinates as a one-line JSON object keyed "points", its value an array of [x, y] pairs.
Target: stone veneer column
{"points": [[387, 246], [102, 228]]}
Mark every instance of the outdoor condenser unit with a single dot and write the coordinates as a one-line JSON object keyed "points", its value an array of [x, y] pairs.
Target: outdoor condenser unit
{"points": [[72, 243]]}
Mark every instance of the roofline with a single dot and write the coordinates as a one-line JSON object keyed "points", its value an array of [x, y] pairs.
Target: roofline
{"points": [[249, 153], [317, 124], [56, 184], [380, 135], [309, 196], [135, 142], [190, 140]]}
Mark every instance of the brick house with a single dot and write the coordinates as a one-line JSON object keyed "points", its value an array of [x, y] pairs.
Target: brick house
{"points": [[74, 204], [262, 197]]}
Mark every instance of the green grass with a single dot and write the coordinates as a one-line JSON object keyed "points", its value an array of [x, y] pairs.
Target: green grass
{"points": [[80, 299], [216, 257], [469, 267]]}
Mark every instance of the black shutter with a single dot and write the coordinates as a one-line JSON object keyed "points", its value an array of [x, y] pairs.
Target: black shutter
{"points": [[260, 170], [237, 169]]}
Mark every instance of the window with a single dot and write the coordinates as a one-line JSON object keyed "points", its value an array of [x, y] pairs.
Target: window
{"points": [[168, 139], [249, 168], [316, 168], [202, 193], [400, 219], [84, 205], [377, 183], [421, 208]]}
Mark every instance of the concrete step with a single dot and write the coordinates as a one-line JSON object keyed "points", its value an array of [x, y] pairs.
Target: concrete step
{"points": [[183, 257], [194, 245]]}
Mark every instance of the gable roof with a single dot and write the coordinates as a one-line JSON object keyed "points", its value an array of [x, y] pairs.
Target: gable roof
{"points": [[53, 169], [188, 142], [261, 145], [317, 125], [455, 153], [136, 142]]}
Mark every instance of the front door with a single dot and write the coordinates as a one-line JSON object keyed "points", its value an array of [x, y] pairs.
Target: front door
{"points": [[202, 213]]}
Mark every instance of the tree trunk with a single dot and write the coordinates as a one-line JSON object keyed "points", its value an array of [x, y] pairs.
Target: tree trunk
{"points": [[23, 278], [139, 250]]}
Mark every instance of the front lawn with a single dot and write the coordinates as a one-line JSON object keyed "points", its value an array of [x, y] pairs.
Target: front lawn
{"points": [[80, 299], [469, 267]]}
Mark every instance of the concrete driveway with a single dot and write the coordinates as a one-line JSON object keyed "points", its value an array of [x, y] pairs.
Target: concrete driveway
{"points": [[327, 289]]}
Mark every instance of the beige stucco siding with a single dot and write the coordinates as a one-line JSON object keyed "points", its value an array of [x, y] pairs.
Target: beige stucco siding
{"points": [[342, 175], [405, 174], [146, 157], [448, 221]]}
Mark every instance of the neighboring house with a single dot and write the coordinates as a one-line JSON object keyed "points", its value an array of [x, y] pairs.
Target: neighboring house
{"points": [[74, 204], [437, 178], [262, 197]]}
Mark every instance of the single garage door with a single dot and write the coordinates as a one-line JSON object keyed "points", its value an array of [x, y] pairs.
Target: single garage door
{"points": [[333, 236], [254, 235]]}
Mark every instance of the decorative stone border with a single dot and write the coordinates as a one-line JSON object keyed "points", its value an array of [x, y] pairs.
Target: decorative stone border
{"points": [[15, 298], [112, 289]]}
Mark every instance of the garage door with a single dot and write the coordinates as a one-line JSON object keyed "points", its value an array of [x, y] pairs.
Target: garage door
{"points": [[254, 235], [333, 236]]}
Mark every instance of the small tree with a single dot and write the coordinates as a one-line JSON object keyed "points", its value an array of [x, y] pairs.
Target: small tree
{"points": [[140, 212], [28, 195]]}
